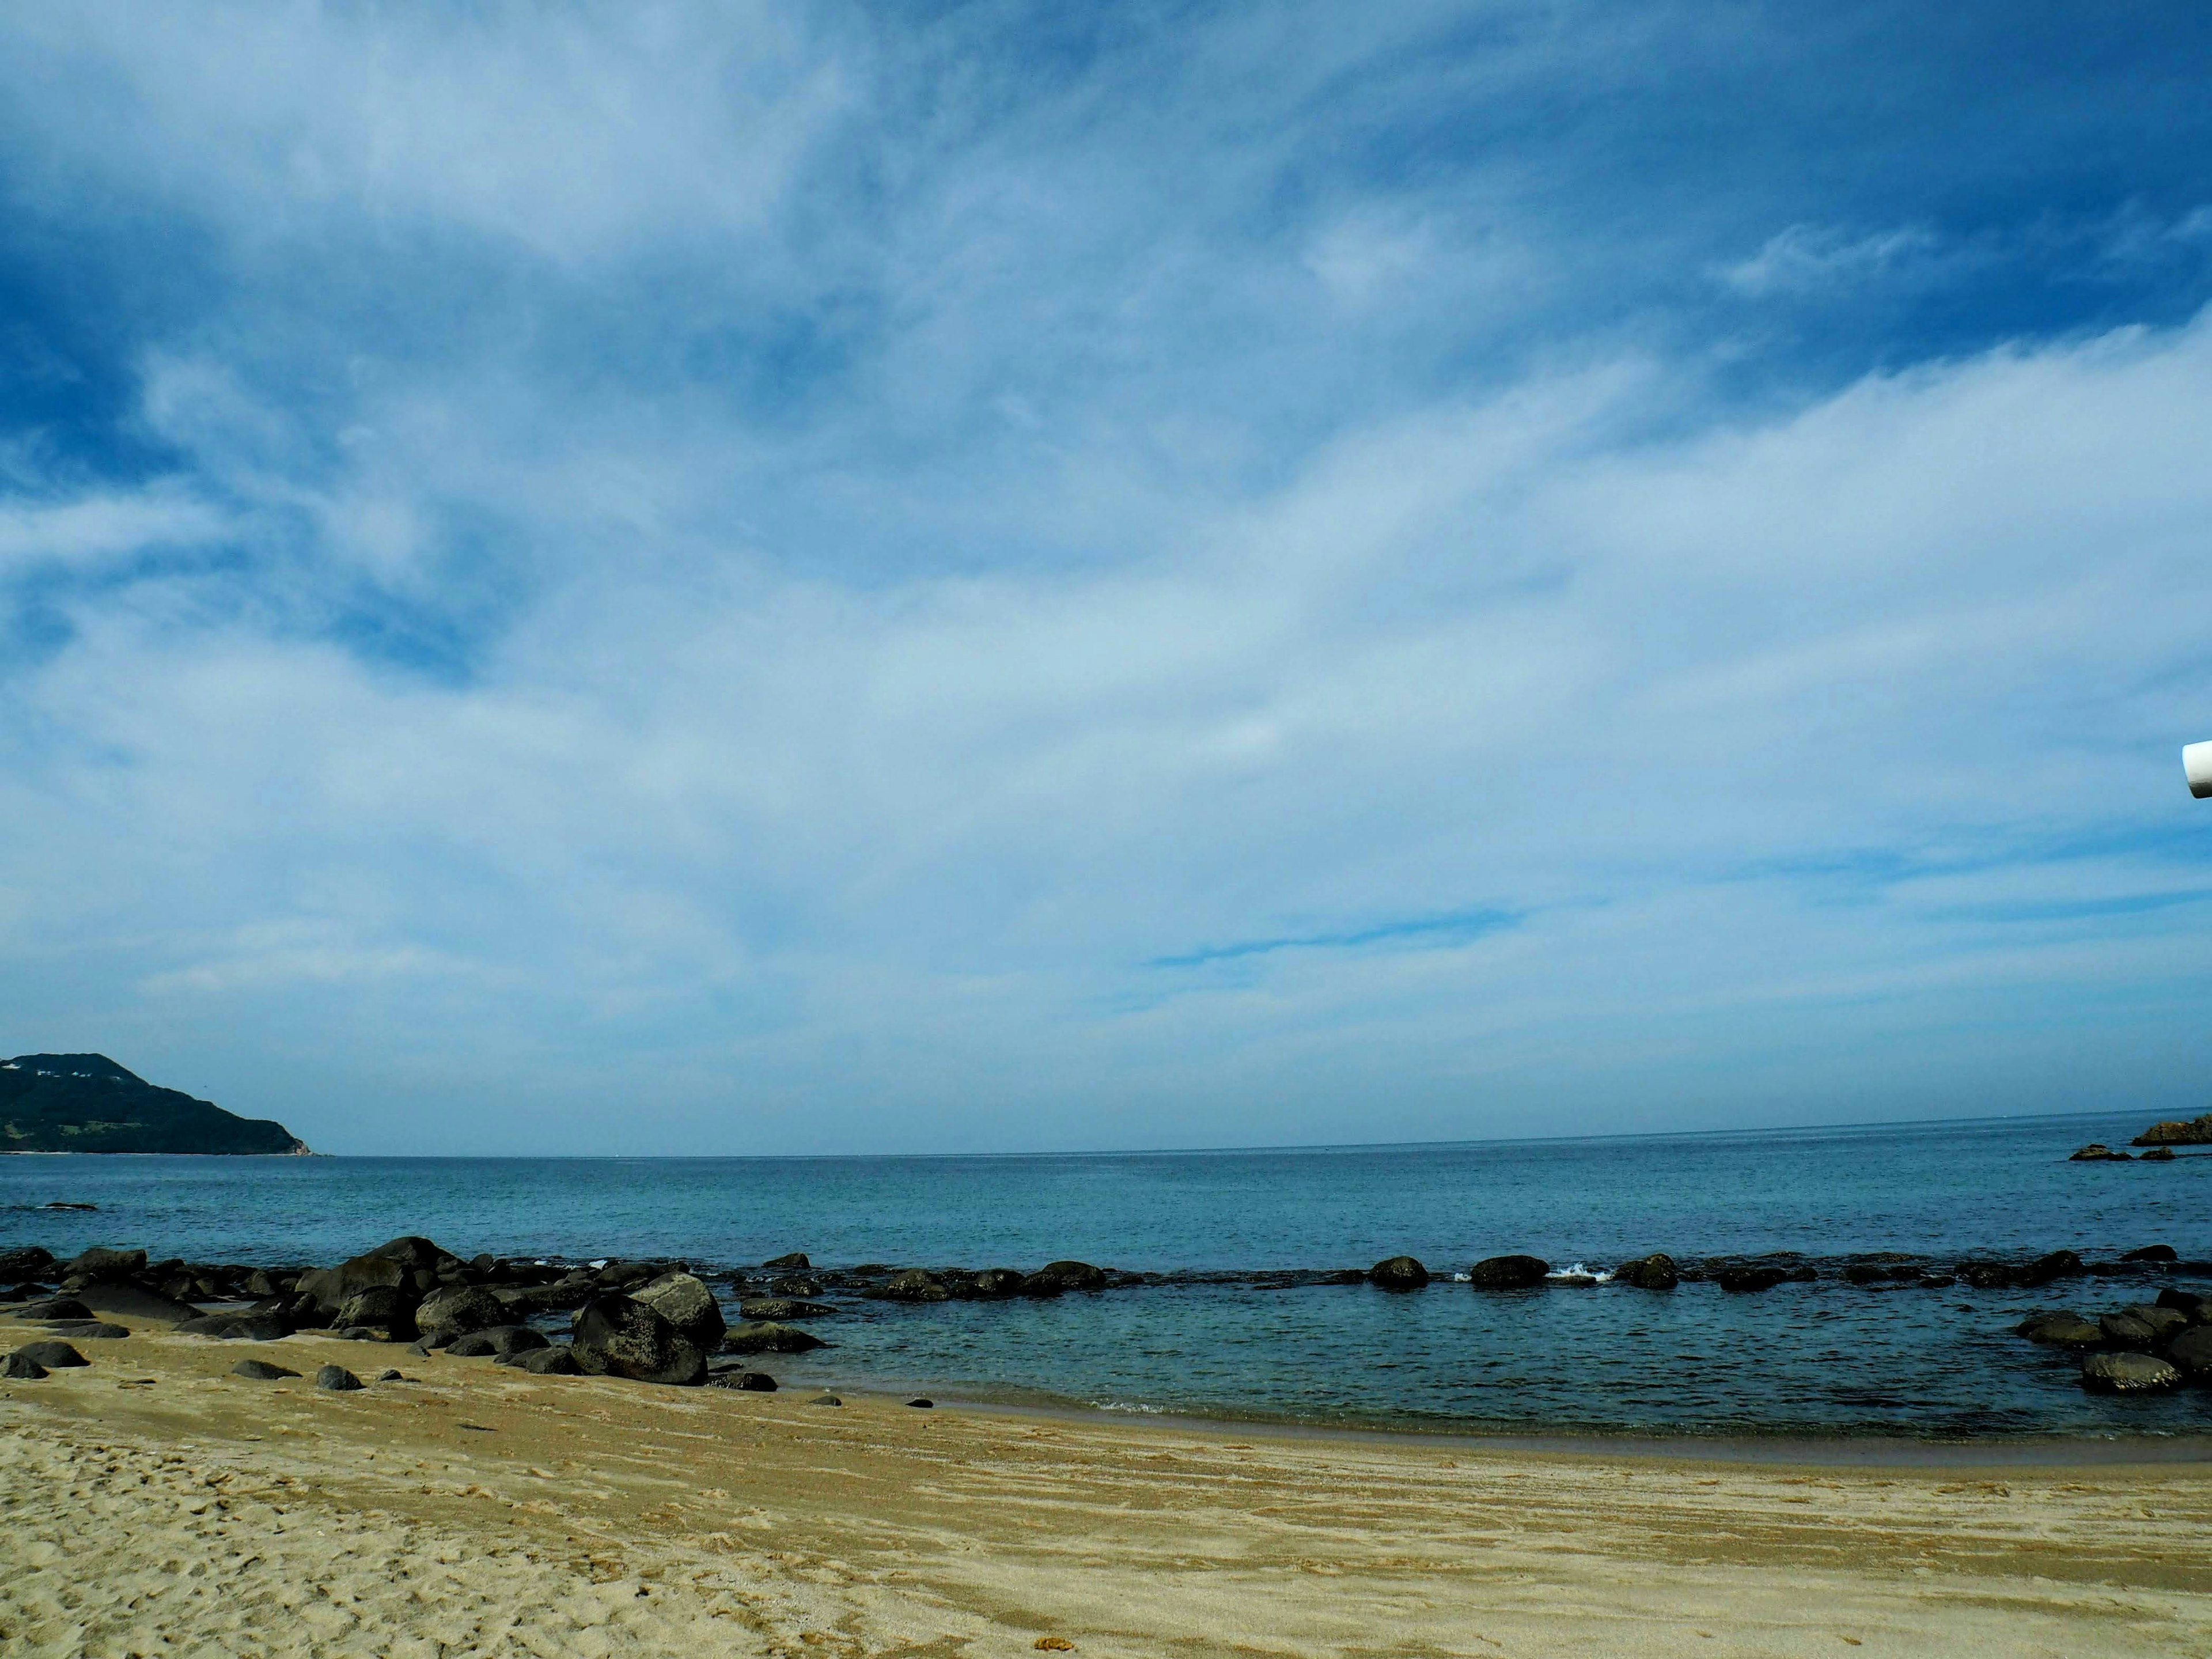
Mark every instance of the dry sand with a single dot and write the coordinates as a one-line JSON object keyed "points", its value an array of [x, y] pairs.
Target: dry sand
{"points": [[154, 1503]]}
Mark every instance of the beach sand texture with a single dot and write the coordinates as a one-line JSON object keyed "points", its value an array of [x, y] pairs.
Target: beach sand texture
{"points": [[154, 1503]]}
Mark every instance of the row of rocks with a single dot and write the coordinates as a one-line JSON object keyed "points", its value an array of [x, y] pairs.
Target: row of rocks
{"points": [[2097, 1152], [2144, 1349]]}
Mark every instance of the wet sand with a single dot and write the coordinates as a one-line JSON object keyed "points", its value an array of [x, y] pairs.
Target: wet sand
{"points": [[476, 1509]]}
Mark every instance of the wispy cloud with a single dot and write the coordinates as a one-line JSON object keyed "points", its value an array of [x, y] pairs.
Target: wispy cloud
{"points": [[840, 562]]}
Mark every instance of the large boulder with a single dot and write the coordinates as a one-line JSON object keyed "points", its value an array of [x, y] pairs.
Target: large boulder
{"points": [[336, 1379], [2198, 1132], [21, 1368], [620, 1336], [459, 1309], [387, 1308], [1398, 1273], [2156, 1252], [2128, 1373], [991, 1282], [1055, 1277], [332, 1288], [684, 1302], [1508, 1272], [2124, 1330], [1655, 1272], [100, 1263], [765, 1336], [2061, 1329], [2191, 1351], [25, 1262]]}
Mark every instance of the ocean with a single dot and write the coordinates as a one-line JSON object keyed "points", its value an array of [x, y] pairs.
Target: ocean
{"points": [[1230, 1329]]}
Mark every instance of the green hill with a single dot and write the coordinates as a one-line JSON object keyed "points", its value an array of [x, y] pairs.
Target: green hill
{"points": [[87, 1103]]}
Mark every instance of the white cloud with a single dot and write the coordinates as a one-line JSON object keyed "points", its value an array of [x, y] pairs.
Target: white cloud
{"points": [[1814, 258]]}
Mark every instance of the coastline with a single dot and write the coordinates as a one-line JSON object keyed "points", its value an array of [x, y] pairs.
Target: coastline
{"points": [[472, 1505]]}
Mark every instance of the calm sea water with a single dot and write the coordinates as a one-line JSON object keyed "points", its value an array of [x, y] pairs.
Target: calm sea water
{"points": [[1826, 1358]]}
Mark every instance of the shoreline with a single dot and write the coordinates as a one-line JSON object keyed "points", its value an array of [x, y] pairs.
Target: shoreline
{"points": [[485, 1509]]}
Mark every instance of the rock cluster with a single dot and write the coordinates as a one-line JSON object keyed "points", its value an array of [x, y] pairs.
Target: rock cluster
{"points": [[2196, 1132], [2145, 1347]]}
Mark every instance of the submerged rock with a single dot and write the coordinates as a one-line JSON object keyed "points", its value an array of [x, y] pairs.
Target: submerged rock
{"points": [[1508, 1272], [1055, 1277], [766, 1336], [777, 1308], [2128, 1373], [995, 1282], [1655, 1272], [914, 1284], [1398, 1273], [2152, 1253], [2062, 1329], [2059, 1264], [1749, 1281]]}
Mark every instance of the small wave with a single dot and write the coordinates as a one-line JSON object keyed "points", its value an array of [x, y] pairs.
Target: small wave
{"points": [[1603, 1276], [1128, 1406]]}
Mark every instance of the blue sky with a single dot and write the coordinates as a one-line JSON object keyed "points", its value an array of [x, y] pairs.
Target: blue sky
{"points": [[779, 577]]}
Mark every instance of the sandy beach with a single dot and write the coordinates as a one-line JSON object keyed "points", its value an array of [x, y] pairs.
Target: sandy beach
{"points": [[154, 1503]]}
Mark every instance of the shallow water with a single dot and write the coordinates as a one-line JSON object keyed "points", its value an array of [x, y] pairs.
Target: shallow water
{"points": [[1825, 1357]]}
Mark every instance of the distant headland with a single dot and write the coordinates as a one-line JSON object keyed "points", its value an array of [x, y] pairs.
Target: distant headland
{"points": [[87, 1103]]}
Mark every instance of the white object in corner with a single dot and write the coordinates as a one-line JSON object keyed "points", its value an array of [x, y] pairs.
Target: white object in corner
{"points": [[2196, 762]]}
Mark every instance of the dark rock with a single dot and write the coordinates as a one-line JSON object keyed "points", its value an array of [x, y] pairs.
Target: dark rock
{"points": [[795, 1260], [751, 1382], [498, 1342], [778, 1308], [620, 1336], [25, 1292], [25, 1261], [2124, 1330], [912, 1285], [766, 1336], [2193, 1303], [101, 1263], [390, 1377], [2062, 1329], [2128, 1373], [251, 1327], [825, 1399], [388, 1307], [1937, 1282], [55, 1356], [364, 1333], [922, 1405], [795, 1286], [544, 1362], [87, 1330], [1746, 1281], [338, 1379], [461, 1309], [1055, 1277], [2156, 1155], [995, 1282], [2151, 1253], [1655, 1272], [2164, 1323], [260, 1370], [1508, 1272], [58, 1307], [2059, 1264], [136, 1303], [685, 1302], [2198, 1132], [21, 1368], [1398, 1273], [1987, 1275], [259, 1283], [2104, 1270], [2097, 1152], [2191, 1350]]}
